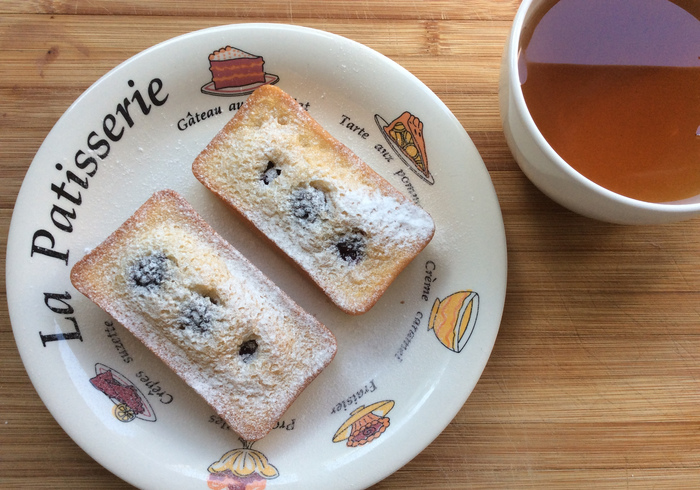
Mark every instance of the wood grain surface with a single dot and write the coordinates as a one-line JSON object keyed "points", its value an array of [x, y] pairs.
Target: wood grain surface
{"points": [[594, 380]]}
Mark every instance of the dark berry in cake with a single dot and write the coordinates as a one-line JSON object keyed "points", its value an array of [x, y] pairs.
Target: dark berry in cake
{"points": [[351, 246], [307, 203], [150, 271], [248, 349], [270, 173], [196, 315]]}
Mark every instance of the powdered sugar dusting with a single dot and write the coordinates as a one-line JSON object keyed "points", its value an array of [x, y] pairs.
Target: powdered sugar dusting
{"points": [[389, 219]]}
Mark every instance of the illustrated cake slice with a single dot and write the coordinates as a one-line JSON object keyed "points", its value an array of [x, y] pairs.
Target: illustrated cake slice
{"points": [[343, 224], [207, 312], [232, 67], [407, 132]]}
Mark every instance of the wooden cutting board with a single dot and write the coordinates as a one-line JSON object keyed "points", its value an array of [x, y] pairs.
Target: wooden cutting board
{"points": [[595, 377]]}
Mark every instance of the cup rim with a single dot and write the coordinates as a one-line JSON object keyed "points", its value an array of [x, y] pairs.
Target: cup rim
{"points": [[513, 52]]}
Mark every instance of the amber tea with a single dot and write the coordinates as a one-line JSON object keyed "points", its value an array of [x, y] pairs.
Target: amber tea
{"points": [[614, 87]]}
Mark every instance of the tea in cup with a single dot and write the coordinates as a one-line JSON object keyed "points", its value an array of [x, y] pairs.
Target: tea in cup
{"points": [[600, 101]]}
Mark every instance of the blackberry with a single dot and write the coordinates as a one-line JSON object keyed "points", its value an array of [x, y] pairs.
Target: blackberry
{"points": [[248, 349], [150, 271], [270, 173], [351, 246], [196, 315], [307, 203]]}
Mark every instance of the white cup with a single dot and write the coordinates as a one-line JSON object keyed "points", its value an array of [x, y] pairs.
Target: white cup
{"points": [[548, 171]]}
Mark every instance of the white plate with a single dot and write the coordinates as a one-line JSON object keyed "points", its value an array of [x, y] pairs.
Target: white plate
{"points": [[146, 120]]}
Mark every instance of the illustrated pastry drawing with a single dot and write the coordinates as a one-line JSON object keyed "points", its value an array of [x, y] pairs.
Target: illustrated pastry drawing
{"points": [[453, 319], [232, 67], [407, 132]]}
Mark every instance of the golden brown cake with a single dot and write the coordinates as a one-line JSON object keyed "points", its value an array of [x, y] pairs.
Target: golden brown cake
{"points": [[207, 312], [347, 228]]}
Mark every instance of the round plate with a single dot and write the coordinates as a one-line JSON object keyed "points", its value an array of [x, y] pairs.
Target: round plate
{"points": [[403, 370]]}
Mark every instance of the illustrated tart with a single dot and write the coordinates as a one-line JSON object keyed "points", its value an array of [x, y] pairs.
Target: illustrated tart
{"points": [[207, 312], [232, 67], [407, 132], [344, 225]]}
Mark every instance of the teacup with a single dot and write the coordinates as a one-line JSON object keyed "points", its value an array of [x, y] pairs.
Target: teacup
{"points": [[547, 170]]}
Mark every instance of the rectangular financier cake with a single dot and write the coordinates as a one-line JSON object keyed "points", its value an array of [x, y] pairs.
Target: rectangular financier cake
{"points": [[347, 228], [207, 312]]}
